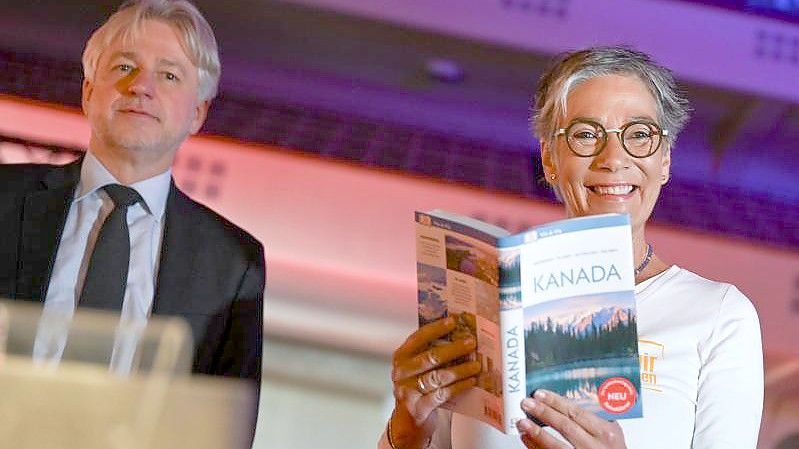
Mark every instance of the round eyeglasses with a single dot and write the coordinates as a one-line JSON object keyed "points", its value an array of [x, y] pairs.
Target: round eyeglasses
{"points": [[639, 138]]}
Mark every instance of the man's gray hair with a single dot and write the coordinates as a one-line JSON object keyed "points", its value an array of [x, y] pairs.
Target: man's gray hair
{"points": [[197, 37], [570, 69]]}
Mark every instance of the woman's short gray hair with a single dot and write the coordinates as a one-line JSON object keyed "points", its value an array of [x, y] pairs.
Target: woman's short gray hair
{"points": [[196, 35], [570, 69]]}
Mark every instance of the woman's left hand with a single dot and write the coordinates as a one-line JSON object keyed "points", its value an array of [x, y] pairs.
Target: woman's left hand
{"points": [[583, 429]]}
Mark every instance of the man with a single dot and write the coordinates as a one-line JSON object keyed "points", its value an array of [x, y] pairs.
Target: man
{"points": [[150, 73]]}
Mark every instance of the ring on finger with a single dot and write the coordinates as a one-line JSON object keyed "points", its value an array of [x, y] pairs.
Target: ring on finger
{"points": [[432, 359], [428, 381], [421, 386]]}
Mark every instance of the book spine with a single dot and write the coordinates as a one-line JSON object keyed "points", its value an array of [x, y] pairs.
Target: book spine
{"points": [[512, 338]]}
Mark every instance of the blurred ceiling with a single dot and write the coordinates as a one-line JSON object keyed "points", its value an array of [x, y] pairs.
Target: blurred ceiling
{"points": [[369, 59]]}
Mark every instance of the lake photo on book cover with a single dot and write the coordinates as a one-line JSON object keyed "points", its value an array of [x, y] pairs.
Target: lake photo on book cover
{"points": [[580, 381], [574, 345]]}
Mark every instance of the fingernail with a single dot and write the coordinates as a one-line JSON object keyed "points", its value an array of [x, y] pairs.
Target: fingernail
{"points": [[540, 394], [529, 404], [524, 425], [470, 341]]}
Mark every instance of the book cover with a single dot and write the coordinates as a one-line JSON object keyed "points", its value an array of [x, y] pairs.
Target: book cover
{"points": [[552, 308]]}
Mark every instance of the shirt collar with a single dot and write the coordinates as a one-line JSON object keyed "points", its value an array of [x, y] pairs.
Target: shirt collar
{"points": [[154, 190]]}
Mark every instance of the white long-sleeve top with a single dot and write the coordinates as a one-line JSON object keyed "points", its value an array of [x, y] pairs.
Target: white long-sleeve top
{"points": [[701, 372]]}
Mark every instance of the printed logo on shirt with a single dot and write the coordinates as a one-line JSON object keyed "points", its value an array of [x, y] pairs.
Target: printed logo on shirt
{"points": [[649, 352]]}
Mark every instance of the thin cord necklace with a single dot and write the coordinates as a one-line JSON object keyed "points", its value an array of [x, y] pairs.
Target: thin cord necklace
{"points": [[647, 259]]}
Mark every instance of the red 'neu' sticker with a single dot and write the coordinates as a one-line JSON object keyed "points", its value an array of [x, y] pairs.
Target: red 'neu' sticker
{"points": [[617, 395]]}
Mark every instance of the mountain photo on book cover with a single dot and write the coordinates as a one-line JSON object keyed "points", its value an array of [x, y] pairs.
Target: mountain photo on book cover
{"points": [[510, 279], [574, 345]]}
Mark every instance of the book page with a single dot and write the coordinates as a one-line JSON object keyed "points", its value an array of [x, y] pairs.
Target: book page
{"points": [[458, 276]]}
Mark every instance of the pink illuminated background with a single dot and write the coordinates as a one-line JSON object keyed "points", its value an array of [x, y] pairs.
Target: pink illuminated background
{"points": [[339, 118]]}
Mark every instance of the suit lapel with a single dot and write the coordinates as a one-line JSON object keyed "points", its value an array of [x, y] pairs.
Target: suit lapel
{"points": [[178, 248], [43, 218]]}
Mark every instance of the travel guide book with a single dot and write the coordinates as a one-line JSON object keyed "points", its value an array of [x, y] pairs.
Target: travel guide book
{"points": [[552, 307]]}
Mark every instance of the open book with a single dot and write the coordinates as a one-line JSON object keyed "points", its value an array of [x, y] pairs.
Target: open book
{"points": [[552, 307]]}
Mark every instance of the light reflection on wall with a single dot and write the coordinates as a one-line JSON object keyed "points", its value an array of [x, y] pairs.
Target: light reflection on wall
{"points": [[17, 151]]}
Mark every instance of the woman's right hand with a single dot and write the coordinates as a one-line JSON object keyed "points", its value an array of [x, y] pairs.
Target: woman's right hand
{"points": [[422, 382]]}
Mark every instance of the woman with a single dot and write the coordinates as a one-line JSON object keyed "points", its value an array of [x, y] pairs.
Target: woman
{"points": [[607, 119]]}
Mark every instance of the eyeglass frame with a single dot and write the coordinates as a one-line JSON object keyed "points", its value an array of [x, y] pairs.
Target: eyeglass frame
{"points": [[619, 131]]}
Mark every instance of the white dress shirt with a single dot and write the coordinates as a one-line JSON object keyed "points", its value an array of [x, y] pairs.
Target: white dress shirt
{"points": [[88, 211]]}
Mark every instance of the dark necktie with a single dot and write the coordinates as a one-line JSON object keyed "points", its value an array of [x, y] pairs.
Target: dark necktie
{"points": [[107, 275]]}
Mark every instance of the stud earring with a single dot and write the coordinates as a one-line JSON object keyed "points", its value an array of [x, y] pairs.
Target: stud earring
{"points": [[553, 176]]}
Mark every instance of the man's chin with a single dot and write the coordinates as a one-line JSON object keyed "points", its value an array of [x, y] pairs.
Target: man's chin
{"points": [[139, 141], [135, 146], [136, 142]]}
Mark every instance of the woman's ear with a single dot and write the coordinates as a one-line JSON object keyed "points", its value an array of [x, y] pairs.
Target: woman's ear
{"points": [[665, 165], [548, 162]]}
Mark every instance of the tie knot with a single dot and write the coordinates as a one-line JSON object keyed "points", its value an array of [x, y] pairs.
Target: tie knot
{"points": [[122, 196]]}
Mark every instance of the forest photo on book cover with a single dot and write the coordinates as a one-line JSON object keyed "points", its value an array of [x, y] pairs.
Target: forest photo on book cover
{"points": [[574, 344]]}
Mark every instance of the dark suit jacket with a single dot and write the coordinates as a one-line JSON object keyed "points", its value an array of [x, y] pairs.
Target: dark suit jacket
{"points": [[211, 272]]}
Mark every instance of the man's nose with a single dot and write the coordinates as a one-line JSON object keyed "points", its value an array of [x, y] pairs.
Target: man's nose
{"points": [[141, 82]]}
